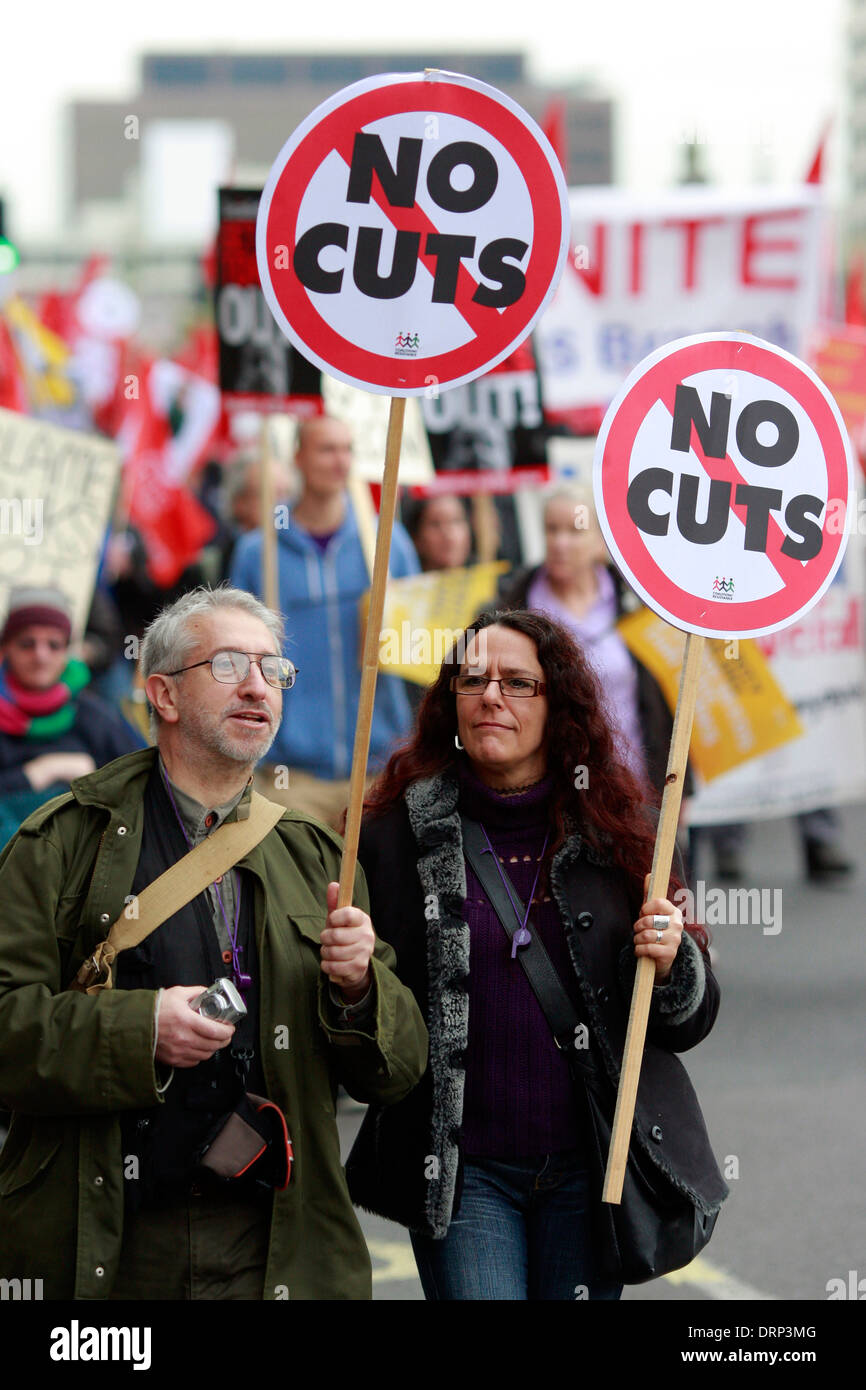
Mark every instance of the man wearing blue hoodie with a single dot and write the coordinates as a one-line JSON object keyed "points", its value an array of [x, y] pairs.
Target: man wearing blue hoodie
{"points": [[322, 575]]}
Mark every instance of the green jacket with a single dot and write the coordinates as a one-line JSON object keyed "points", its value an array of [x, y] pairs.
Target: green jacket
{"points": [[70, 1063]]}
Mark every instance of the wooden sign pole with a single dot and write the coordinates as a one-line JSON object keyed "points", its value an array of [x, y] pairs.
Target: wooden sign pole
{"points": [[485, 523], [270, 588], [658, 888], [370, 663]]}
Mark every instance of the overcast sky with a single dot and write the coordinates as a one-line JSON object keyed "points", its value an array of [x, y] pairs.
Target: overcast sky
{"points": [[754, 79]]}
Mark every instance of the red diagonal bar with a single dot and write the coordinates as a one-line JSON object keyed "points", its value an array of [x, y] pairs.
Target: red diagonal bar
{"points": [[801, 579], [414, 219], [787, 568]]}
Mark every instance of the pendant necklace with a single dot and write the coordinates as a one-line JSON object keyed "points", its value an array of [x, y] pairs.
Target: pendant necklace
{"points": [[522, 937]]}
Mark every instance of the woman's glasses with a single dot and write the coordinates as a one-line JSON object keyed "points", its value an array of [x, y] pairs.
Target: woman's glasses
{"points": [[518, 687]]}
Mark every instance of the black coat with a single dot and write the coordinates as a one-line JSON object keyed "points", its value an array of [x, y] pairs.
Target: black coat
{"points": [[98, 729], [406, 1162], [654, 715]]}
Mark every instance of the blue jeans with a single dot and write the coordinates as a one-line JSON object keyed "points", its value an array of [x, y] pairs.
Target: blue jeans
{"points": [[522, 1232]]}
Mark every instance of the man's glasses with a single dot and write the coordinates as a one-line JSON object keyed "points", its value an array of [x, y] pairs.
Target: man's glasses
{"points": [[519, 687], [230, 668]]}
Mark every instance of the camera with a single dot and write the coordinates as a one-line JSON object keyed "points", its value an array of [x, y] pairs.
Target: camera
{"points": [[220, 1001]]}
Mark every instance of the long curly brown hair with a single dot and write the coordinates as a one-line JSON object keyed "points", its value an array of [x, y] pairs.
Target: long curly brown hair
{"points": [[593, 788]]}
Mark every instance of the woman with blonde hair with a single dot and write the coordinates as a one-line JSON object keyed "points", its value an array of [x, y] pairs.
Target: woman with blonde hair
{"points": [[577, 585]]}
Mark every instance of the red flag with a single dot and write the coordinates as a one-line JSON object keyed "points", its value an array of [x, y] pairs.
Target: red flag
{"points": [[173, 524], [208, 265], [854, 307], [815, 172], [13, 395], [55, 310], [554, 126]]}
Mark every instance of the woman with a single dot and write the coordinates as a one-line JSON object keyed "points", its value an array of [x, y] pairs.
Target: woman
{"points": [[440, 532], [486, 1160], [576, 586]]}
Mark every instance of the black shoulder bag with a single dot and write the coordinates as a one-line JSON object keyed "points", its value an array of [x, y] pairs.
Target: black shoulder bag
{"points": [[656, 1228]]}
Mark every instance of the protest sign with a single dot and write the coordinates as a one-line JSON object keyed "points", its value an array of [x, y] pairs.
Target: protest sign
{"points": [[258, 369], [494, 423], [818, 662], [56, 493], [722, 481], [411, 231], [838, 354], [464, 195], [425, 614], [646, 269], [722, 477], [741, 711]]}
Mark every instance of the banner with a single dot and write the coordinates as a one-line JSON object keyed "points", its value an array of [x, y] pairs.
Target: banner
{"points": [[741, 710], [495, 423], [44, 361], [426, 613], [259, 369], [645, 270], [471, 484], [56, 492], [838, 354], [818, 662]]}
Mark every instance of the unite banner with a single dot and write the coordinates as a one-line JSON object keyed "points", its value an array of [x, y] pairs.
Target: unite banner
{"points": [[645, 270]]}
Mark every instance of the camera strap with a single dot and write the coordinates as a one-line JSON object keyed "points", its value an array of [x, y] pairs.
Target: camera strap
{"points": [[180, 883]]}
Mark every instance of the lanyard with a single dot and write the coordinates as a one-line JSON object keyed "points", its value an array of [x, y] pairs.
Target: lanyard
{"points": [[242, 980], [521, 936]]}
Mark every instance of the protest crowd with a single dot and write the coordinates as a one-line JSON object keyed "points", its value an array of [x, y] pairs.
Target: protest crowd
{"points": [[180, 684]]}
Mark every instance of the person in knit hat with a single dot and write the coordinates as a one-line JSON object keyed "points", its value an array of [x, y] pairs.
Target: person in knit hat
{"points": [[52, 729]]}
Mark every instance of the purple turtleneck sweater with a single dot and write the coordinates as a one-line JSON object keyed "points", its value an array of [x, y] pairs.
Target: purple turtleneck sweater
{"points": [[518, 1099]]}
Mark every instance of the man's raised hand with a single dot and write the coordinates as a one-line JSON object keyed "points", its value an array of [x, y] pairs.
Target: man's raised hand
{"points": [[347, 945]]}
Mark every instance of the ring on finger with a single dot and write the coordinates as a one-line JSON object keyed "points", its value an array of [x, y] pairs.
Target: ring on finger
{"points": [[660, 923]]}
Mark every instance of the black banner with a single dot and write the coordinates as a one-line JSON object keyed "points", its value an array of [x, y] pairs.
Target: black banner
{"points": [[259, 368]]}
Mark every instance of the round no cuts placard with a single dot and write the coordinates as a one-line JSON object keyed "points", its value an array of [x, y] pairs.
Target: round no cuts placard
{"points": [[722, 480], [411, 232]]}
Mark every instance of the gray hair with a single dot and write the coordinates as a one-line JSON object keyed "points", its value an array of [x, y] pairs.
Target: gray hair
{"points": [[168, 641], [579, 494], [237, 471]]}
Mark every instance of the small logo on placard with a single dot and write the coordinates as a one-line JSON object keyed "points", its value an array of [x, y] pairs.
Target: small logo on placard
{"points": [[723, 588], [407, 344]]}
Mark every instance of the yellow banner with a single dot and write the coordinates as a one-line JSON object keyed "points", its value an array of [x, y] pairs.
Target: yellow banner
{"points": [[424, 615], [44, 357], [741, 710]]}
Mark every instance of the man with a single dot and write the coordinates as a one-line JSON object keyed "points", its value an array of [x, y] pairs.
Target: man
{"points": [[240, 506], [322, 576], [118, 1096], [51, 728]]}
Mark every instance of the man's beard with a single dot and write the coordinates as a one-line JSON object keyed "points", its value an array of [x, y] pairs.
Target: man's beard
{"points": [[219, 739]]}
